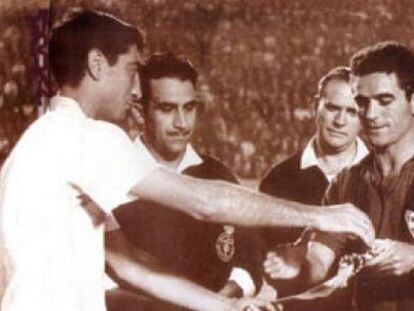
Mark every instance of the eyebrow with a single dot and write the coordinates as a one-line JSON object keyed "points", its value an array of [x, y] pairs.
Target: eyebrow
{"points": [[194, 101], [332, 105], [383, 95]]}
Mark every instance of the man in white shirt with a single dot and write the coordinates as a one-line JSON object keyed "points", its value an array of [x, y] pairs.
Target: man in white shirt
{"points": [[52, 248]]}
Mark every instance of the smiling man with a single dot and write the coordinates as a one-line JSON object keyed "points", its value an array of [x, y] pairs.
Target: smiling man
{"points": [[382, 183]]}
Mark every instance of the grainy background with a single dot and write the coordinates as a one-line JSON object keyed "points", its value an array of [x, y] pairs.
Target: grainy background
{"points": [[259, 62]]}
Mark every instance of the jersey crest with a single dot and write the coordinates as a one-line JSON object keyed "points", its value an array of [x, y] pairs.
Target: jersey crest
{"points": [[409, 219], [225, 244]]}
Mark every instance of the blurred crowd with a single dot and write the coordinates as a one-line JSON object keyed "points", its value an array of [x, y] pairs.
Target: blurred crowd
{"points": [[259, 63]]}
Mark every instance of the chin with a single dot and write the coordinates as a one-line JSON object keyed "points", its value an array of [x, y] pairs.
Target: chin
{"points": [[338, 144]]}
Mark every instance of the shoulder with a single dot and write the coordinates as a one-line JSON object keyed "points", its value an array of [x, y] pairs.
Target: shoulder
{"points": [[211, 168], [279, 171], [353, 173], [106, 131], [350, 183]]}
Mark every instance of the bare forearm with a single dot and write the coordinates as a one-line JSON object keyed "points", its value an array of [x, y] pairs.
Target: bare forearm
{"points": [[140, 272], [248, 207], [224, 202], [172, 289]]}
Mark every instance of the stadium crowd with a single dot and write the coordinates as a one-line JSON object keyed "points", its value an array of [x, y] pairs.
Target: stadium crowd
{"points": [[259, 63]]}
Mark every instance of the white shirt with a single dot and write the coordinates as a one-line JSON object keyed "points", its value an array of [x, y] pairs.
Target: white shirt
{"points": [[309, 158], [52, 251], [190, 157]]}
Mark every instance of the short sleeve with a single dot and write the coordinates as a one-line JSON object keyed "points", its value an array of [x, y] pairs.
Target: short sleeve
{"points": [[110, 165]]}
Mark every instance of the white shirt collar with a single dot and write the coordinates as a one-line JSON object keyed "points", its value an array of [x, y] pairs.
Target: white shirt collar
{"points": [[190, 157], [309, 158], [58, 102]]}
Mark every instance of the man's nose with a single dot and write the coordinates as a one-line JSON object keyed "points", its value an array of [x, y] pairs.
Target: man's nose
{"points": [[340, 118], [372, 111], [180, 119], [136, 89]]}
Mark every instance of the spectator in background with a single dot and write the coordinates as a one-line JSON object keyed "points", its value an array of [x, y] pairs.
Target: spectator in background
{"points": [[305, 176]]}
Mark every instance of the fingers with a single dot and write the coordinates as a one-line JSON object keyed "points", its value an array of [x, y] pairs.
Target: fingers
{"points": [[360, 224], [256, 304], [251, 308], [382, 255], [273, 266], [277, 268]]}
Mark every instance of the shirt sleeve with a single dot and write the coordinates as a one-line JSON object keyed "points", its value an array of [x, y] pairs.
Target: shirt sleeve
{"points": [[110, 166]]}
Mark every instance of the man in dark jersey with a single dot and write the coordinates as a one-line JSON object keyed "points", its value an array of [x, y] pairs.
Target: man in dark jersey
{"points": [[205, 253], [382, 183], [305, 176]]}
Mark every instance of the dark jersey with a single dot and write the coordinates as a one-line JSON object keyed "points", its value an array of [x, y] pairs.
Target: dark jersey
{"points": [[388, 207], [201, 251], [287, 180]]}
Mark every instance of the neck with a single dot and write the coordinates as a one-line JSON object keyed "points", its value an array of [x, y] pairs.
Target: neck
{"points": [[333, 162], [391, 159], [172, 163], [82, 97]]}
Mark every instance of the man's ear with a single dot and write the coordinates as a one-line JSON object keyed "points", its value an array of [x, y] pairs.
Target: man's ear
{"points": [[95, 64]]}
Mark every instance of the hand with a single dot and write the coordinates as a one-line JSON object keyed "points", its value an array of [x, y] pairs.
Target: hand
{"points": [[231, 289], [346, 218], [391, 258], [284, 263], [91, 207], [251, 304]]}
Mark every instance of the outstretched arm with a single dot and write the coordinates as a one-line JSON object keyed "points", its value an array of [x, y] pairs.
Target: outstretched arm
{"points": [[227, 203], [141, 271]]}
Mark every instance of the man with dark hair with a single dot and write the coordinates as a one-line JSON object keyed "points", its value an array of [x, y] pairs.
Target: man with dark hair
{"points": [[305, 176], [199, 251], [381, 184], [52, 247], [71, 43]]}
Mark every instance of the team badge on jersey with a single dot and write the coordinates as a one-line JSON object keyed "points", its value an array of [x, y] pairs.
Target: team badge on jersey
{"points": [[225, 244], [409, 219]]}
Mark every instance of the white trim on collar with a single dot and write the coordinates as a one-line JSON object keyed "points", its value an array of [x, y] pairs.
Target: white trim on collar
{"points": [[190, 158], [308, 157]]}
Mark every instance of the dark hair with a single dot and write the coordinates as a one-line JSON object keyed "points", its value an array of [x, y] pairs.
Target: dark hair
{"points": [[388, 57], [80, 32], [161, 65], [339, 73]]}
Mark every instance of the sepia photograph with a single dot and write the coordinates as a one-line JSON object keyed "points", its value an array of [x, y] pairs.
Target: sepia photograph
{"points": [[210, 155]]}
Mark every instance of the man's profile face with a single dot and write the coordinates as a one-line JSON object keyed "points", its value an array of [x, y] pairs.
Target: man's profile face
{"points": [[170, 116], [121, 83], [337, 118], [385, 111]]}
